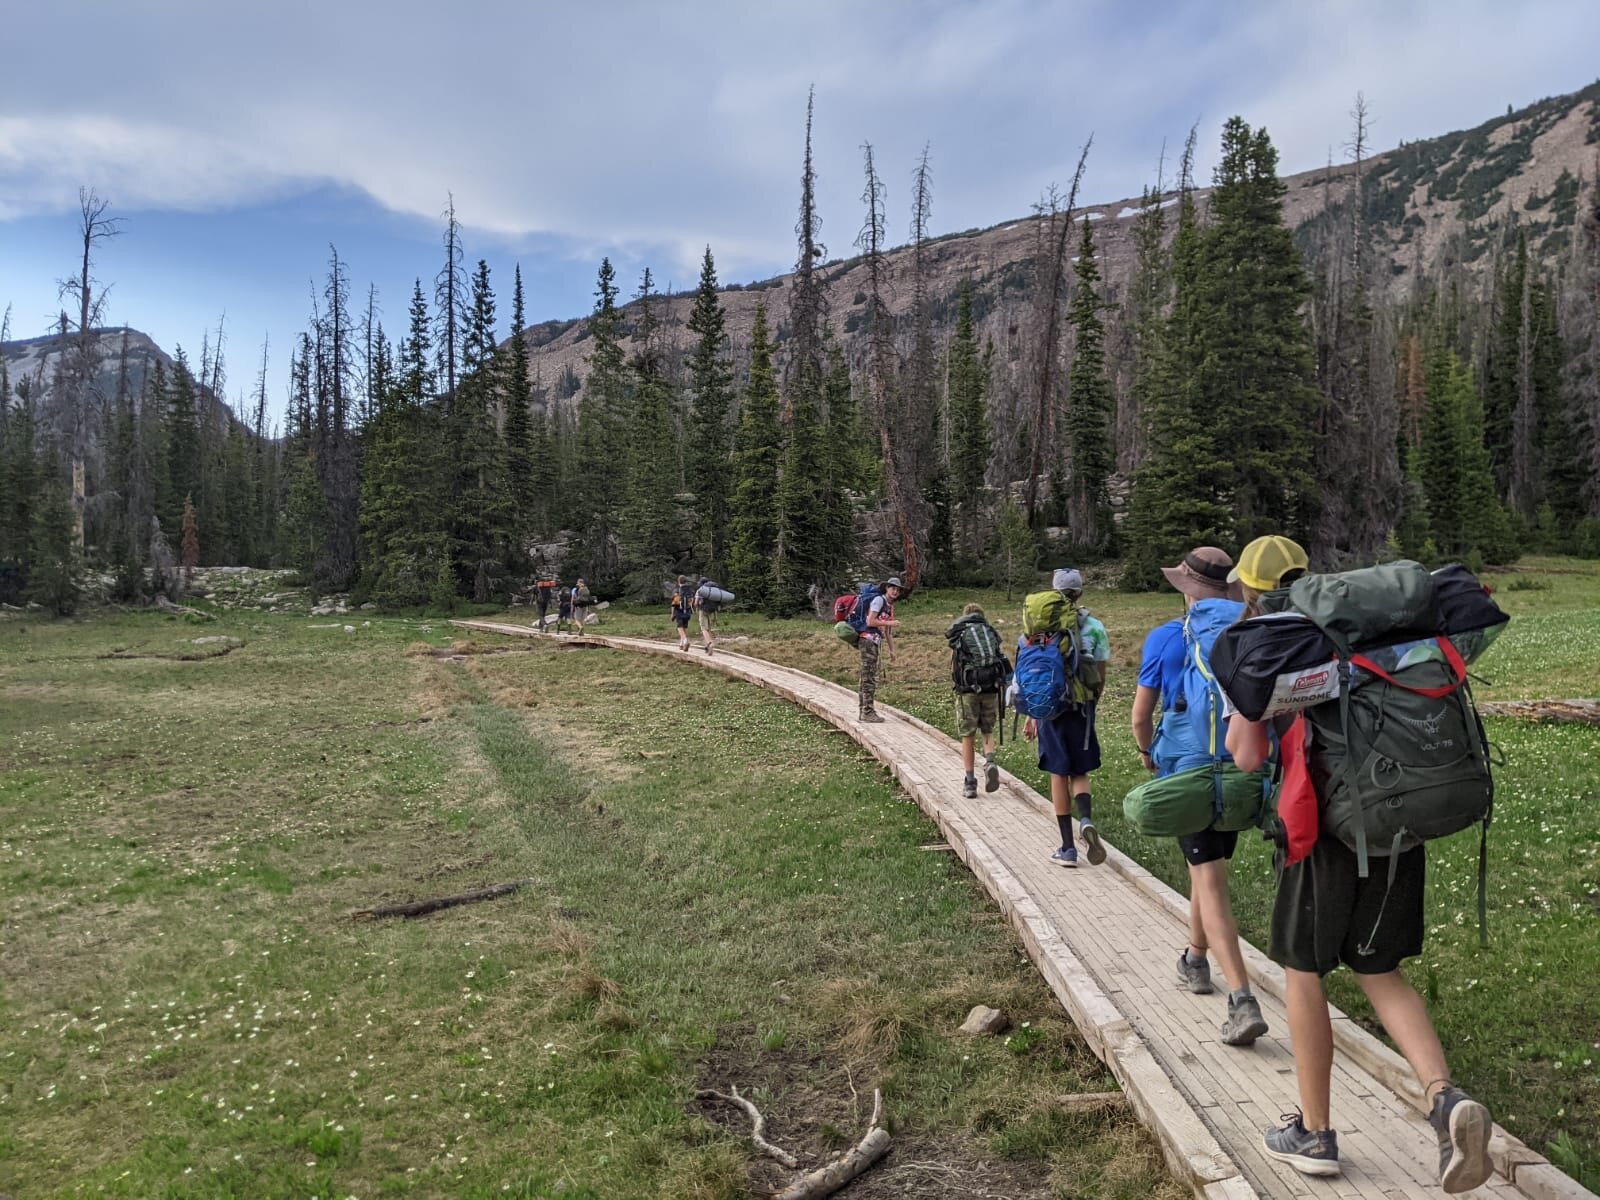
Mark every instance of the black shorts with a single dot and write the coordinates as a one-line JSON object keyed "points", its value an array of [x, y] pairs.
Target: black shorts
{"points": [[1326, 914], [680, 618], [1068, 743], [1208, 845]]}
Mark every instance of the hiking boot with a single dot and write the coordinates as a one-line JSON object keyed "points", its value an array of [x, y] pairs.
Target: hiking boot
{"points": [[969, 788], [871, 718], [991, 776], [1196, 976], [1245, 1022], [1091, 839], [1311, 1152], [1463, 1126], [1067, 856]]}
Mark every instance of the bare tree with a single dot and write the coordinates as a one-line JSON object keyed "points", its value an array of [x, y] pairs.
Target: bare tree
{"points": [[808, 301], [1050, 283]]}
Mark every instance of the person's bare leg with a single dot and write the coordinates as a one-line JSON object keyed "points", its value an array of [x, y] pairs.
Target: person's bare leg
{"points": [[1209, 897], [1405, 1017], [1061, 794], [968, 758], [1311, 1033]]}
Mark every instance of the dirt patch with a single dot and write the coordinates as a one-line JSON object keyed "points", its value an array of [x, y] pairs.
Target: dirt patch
{"points": [[816, 1107]]}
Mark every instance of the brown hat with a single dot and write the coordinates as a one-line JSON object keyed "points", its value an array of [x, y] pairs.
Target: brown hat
{"points": [[1203, 573]]}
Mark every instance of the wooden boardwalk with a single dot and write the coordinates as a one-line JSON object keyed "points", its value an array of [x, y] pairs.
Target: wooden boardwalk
{"points": [[1106, 940]]}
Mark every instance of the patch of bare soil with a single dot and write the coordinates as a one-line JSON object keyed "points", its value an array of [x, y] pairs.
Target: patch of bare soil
{"points": [[816, 1107]]}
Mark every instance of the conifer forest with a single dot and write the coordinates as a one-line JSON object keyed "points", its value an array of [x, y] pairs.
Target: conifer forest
{"points": [[1332, 379]]}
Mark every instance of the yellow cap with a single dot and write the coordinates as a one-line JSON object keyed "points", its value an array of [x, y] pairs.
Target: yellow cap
{"points": [[1267, 560]]}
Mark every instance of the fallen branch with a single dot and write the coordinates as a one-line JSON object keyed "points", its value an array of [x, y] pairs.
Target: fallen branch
{"points": [[418, 907], [184, 610], [1576, 712], [758, 1131], [825, 1181]]}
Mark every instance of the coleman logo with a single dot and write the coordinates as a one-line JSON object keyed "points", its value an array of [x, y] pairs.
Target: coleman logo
{"points": [[1314, 680]]}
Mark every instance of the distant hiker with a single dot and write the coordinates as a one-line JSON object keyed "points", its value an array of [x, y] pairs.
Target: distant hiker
{"points": [[1174, 671], [543, 592], [1328, 909], [582, 599], [979, 673], [873, 620], [1060, 674], [682, 610], [564, 609], [709, 598]]}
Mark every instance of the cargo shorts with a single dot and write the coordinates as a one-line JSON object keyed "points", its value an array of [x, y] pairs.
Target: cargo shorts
{"points": [[976, 712]]}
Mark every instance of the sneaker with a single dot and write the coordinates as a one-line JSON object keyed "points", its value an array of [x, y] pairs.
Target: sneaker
{"points": [[991, 776], [1196, 976], [1067, 856], [1307, 1151], [1091, 839], [1463, 1126], [969, 788], [1245, 1022], [871, 718]]}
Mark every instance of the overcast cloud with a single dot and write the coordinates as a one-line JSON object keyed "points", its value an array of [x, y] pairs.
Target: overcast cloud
{"points": [[648, 130]]}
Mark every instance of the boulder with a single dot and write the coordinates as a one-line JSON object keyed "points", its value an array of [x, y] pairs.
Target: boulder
{"points": [[984, 1020]]}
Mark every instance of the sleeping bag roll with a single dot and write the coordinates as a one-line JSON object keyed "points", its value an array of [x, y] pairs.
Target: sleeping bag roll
{"points": [[710, 593]]}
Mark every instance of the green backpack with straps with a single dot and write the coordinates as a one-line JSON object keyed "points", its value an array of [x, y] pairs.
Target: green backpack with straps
{"points": [[1400, 757], [1049, 615]]}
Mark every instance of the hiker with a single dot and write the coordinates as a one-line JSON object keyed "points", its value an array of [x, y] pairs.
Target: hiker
{"points": [[563, 609], [709, 598], [682, 606], [979, 673], [1327, 913], [873, 619], [582, 598], [1170, 672], [543, 591], [1060, 673]]}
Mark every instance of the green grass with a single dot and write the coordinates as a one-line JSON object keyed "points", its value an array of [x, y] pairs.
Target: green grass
{"points": [[1520, 1021], [724, 892]]}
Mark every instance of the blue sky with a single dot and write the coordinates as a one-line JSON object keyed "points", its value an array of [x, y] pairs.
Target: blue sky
{"points": [[238, 140]]}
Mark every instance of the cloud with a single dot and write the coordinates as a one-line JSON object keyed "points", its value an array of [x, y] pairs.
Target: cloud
{"points": [[638, 123]]}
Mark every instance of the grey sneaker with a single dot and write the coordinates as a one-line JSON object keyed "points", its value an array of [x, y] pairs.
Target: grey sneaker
{"points": [[1311, 1152], [991, 776], [871, 718], [969, 787], [1196, 976], [1091, 839], [1245, 1022], [1463, 1126]]}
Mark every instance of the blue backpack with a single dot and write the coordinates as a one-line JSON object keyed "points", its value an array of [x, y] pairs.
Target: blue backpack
{"points": [[865, 595], [1192, 732], [1040, 679]]}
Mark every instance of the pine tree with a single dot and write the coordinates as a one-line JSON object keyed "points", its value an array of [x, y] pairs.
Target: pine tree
{"points": [[519, 421], [1090, 411], [969, 421], [753, 540], [52, 548], [20, 496], [183, 441], [842, 447], [803, 541], [711, 384], [651, 537], [238, 499], [1144, 315], [1015, 557], [1465, 518], [600, 481], [481, 505]]}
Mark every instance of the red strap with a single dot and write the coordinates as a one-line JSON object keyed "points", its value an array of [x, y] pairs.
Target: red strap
{"points": [[1458, 667]]}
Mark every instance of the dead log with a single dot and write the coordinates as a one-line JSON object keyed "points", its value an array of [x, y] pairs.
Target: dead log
{"points": [[417, 908], [1576, 712], [825, 1181], [182, 610]]}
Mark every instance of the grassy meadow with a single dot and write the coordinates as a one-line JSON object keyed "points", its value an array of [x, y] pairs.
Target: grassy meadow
{"points": [[1521, 1020], [721, 892]]}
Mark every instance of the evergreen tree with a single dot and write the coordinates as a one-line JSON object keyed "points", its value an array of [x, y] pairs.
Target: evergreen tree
{"points": [[1090, 411], [711, 384], [183, 442], [519, 422], [1015, 557], [651, 538], [600, 477], [20, 496], [843, 448], [1144, 316], [481, 505], [1465, 518], [238, 499], [753, 538], [52, 549], [803, 536], [969, 421]]}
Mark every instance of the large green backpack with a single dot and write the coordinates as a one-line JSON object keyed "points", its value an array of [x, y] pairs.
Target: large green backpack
{"points": [[1400, 758], [1050, 617]]}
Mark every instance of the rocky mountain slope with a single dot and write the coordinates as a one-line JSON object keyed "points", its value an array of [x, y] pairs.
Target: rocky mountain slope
{"points": [[1431, 204]]}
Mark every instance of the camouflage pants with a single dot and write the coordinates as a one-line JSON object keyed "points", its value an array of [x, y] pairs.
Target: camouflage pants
{"points": [[869, 674]]}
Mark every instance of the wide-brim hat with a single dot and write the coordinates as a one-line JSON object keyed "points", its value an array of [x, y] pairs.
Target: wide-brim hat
{"points": [[1203, 574]]}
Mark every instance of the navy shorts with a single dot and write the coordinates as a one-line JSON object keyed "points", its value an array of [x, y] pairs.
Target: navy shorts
{"points": [[1068, 744]]}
